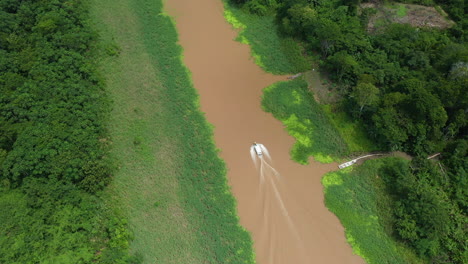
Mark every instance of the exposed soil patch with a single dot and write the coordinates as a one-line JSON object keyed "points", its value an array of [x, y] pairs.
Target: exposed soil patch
{"points": [[324, 92], [415, 15]]}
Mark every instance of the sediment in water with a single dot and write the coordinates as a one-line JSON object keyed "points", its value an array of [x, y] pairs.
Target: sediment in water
{"points": [[230, 87]]}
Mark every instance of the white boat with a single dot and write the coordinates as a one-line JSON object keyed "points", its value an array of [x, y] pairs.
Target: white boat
{"points": [[257, 149]]}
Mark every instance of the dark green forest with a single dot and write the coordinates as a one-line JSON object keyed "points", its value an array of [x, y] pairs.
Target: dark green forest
{"points": [[408, 86], [53, 142], [430, 204]]}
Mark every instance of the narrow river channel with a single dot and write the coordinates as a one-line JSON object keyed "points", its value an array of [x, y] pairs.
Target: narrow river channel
{"points": [[230, 86]]}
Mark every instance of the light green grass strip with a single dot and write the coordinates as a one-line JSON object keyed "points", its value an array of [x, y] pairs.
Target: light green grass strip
{"points": [[171, 184], [271, 52], [358, 198], [401, 12], [292, 103]]}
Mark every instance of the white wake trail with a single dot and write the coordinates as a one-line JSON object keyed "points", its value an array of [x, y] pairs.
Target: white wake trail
{"points": [[254, 157], [271, 196]]}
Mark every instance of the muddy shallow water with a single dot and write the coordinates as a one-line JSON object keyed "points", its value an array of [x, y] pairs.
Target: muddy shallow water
{"points": [[286, 215]]}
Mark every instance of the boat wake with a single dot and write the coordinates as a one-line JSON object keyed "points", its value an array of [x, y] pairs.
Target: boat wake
{"points": [[273, 206]]}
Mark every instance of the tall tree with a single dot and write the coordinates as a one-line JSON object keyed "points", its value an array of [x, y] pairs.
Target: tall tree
{"points": [[365, 94]]}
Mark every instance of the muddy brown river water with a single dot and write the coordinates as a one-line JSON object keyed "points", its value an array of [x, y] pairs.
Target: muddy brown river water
{"points": [[286, 217]]}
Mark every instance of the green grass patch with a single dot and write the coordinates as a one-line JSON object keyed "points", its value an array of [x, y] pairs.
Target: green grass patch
{"points": [[352, 131], [401, 11], [358, 197], [380, 22], [293, 104], [273, 53], [171, 184]]}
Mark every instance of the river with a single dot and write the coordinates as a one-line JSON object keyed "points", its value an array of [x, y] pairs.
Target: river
{"points": [[230, 86]]}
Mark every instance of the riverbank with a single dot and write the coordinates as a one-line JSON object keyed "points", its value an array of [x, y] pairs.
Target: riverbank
{"points": [[334, 135], [325, 132], [293, 104], [171, 185], [358, 197], [288, 221], [271, 52]]}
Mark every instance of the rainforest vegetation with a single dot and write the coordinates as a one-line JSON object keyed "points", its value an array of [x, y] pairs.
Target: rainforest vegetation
{"points": [[53, 150], [87, 162], [407, 85]]}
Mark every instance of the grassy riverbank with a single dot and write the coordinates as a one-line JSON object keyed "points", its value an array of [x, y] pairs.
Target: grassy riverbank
{"points": [[327, 133], [293, 104], [273, 53], [171, 184], [328, 137], [358, 197]]}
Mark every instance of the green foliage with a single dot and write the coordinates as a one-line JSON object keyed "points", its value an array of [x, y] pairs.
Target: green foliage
{"points": [[271, 52], [359, 199], [296, 55], [51, 222], [398, 52], [365, 94], [351, 130], [299, 16], [171, 184], [409, 86], [456, 159], [53, 108], [457, 11], [53, 155], [425, 216], [424, 202], [343, 66], [253, 33], [293, 104], [417, 115], [401, 11], [257, 7]]}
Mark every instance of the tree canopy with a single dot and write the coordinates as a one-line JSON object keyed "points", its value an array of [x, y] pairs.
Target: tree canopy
{"points": [[53, 142], [408, 86]]}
